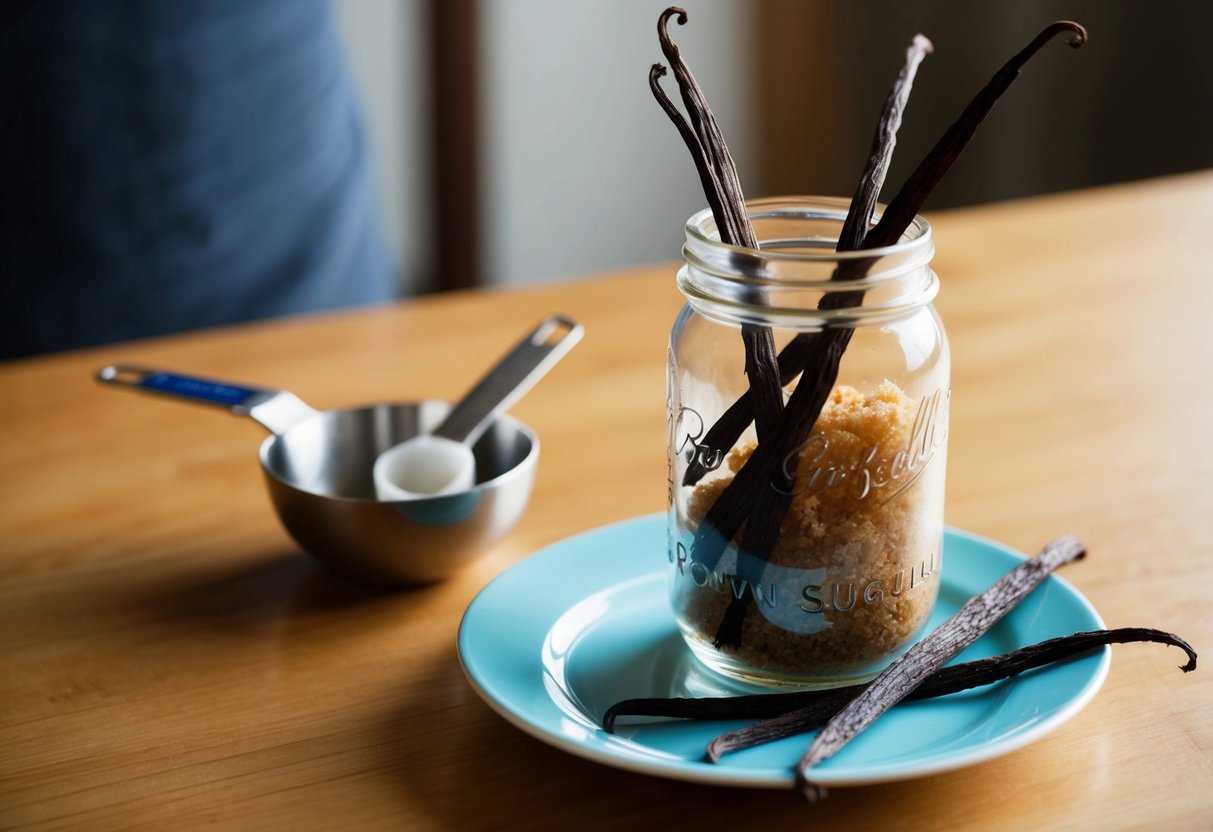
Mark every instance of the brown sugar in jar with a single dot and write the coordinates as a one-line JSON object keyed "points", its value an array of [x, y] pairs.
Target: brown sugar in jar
{"points": [[854, 574]]}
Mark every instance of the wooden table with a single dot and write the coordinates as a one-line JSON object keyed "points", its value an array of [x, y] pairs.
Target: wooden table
{"points": [[169, 659]]}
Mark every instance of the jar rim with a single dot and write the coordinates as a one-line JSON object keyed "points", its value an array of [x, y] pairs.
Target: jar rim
{"points": [[796, 267], [917, 236]]}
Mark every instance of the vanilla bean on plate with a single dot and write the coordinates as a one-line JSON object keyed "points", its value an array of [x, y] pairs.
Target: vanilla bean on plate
{"points": [[893, 222], [718, 176], [926, 656], [819, 705], [952, 679]]}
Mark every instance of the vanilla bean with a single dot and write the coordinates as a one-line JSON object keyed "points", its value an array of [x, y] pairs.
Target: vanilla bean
{"points": [[727, 429], [815, 707], [762, 370], [908, 671], [708, 179], [768, 499], [893, 222], [759, 538], [922, 182], [863, 203], [718, 175], [736, 501], [710, 137], [947, 680]]}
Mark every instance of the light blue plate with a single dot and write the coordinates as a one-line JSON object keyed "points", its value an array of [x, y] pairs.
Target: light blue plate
{"points": [[552, 642]]}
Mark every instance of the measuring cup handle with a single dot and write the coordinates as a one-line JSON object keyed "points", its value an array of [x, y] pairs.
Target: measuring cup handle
{"points": [[515, 373], [274, 409]]}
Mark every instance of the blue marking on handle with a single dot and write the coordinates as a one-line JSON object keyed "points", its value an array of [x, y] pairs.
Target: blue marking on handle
{"points": [[196, 388]]}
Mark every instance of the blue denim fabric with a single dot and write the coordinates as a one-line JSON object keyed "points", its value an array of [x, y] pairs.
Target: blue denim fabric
{"points": [[173, 164]]}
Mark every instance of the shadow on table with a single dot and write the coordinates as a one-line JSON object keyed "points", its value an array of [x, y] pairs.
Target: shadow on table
{"points": [[253, 596]]}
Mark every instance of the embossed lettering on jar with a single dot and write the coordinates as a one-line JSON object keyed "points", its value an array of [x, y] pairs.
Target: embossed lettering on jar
{"points": [[854, 570]]}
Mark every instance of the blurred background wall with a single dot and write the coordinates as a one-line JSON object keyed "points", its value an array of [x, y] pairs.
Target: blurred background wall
{"points": [[556, 161]]}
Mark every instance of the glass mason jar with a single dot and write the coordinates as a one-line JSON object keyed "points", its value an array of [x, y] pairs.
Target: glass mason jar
{"points": [[798, 556]]}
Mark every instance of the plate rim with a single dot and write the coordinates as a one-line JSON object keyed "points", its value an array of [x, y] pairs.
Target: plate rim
{"points": [[694, 771]]}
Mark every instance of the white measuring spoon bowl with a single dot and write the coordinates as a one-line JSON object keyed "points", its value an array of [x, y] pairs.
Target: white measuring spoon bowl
{"points": [[425, 466], [441, 462]]}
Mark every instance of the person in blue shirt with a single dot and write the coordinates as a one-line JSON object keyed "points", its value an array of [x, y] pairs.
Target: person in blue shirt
{"points": [[174, 164]]}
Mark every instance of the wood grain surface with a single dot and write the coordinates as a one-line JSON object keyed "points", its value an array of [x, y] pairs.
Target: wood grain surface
{"points": [[169, 659]]}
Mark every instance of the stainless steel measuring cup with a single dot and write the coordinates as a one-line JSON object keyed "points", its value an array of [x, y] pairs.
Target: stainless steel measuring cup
{"points": [[317, 466]]}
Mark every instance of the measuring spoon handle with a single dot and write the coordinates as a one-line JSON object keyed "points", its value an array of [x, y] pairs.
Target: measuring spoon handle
{"points": [[513, 376], [276, 410]]}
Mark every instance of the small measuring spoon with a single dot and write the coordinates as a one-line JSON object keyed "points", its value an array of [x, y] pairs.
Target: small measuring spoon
{"points": [[441, 462]]}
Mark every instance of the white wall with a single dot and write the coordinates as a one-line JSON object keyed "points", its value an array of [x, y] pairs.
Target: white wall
{"points": [[582, 170]]}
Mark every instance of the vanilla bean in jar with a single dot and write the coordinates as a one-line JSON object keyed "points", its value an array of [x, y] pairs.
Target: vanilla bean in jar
{"points": [[848, 499]]}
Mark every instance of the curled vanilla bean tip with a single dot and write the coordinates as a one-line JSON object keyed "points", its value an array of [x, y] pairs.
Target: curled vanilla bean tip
{"points": [[663, 24], [656, 73], [1054, 29], [1080, 31]]}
